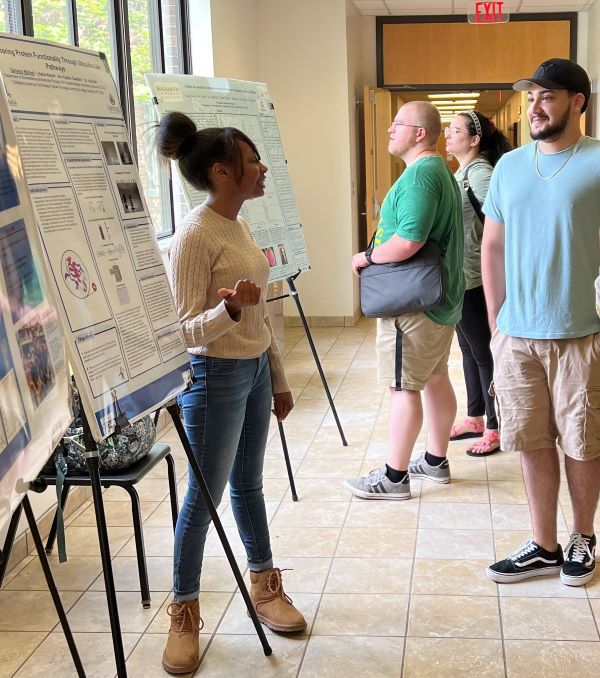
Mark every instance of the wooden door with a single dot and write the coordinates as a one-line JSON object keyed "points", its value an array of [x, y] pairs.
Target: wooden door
{"points": [[378, 161]]}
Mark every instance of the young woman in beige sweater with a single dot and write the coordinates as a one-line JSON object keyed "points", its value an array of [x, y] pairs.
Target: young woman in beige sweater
{"points": [[219, 278]]}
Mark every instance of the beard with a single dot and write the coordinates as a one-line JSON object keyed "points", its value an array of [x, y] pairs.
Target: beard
{"points": [[553, 132]]}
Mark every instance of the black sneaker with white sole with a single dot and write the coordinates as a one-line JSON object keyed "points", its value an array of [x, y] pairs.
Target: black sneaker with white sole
{"points": [[580, 560], [529, 560]]}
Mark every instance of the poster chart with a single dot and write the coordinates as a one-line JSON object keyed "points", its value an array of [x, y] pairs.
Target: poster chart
{"points": [[219, 102], [124, 339], [34, 404]]}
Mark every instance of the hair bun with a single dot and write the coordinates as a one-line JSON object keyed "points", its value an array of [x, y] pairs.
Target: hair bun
{"points": [[185, 146], [175, 135]]}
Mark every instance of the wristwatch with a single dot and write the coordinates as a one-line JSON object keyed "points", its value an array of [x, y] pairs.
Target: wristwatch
{"points": [[368, 253]]}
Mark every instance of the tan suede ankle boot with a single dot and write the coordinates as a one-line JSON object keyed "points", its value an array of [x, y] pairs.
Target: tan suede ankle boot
{"points": [[273, 607], [182, 653]]}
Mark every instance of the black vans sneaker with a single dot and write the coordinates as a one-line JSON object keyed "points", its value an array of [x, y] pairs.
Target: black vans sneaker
{"points": [[529, 560], [580, 560]]}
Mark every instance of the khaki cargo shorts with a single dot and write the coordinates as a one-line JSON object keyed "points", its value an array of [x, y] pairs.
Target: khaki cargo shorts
{"points": [[548, 393], [410, 348]]}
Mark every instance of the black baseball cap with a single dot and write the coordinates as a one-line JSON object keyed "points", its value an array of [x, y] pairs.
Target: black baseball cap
{"points": [[559, 74]]}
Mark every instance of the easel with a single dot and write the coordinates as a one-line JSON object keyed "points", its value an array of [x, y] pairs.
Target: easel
{"points": [[39, 547], [293, 293], [92, 463], [288, 465], [92, 459]]}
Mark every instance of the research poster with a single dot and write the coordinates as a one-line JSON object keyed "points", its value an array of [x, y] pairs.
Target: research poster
{"points": [[220, 102], [124, 339], [34, 405]]}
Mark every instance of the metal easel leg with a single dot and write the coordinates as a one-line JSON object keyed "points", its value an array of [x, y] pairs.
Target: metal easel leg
{"points": [[296, 298], [92, 461], [60, 610], [288, 465]]}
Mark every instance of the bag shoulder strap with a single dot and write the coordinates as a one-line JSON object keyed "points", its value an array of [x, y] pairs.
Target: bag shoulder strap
{"points": [[475, 204], [442, 249]]}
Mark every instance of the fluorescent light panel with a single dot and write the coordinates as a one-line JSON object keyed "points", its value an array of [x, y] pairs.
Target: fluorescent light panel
{"points": [[454, 104], [465, 102], [456, 95], [455, 111]]}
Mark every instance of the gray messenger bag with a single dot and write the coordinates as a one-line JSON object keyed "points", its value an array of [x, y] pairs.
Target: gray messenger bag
{"points": [[409, 286]]}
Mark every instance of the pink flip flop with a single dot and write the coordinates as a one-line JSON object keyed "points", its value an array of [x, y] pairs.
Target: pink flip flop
{"points": [[467, 429], [489, 444]]}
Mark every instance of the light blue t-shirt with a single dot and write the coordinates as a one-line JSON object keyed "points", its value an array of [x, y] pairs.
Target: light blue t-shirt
{"points": [[551, 250]]}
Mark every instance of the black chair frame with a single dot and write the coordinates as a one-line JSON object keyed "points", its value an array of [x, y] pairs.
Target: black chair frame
{"points": [[127, 479]]}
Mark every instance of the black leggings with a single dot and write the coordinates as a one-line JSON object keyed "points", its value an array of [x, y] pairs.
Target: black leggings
{"points": [[478, 365]]}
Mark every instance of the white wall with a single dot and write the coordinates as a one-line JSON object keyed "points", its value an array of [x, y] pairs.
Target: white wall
{"points": [[234, 39], [593, 56], [303, 59], [300, 50], [40, 503], [355, 51], [582, 39], [369, 48]]}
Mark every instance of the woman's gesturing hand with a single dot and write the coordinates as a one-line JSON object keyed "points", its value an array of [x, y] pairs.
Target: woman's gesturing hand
{"points": [[245, 293]]}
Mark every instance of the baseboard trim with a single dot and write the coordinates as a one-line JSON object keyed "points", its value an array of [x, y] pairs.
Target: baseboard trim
{"points": [[24, 544], [323, 320]]}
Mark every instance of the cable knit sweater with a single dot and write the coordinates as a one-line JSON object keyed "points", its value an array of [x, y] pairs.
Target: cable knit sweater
{"points": [[210, 252]]}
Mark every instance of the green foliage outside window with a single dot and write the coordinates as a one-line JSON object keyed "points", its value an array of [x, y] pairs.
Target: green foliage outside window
{"points": [[51, 22]]}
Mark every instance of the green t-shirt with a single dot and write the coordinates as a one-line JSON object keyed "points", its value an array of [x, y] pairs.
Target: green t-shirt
{"points": [[425, 204]]}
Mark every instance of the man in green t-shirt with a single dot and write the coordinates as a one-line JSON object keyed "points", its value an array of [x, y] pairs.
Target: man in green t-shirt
{"points": [[412, 350]]}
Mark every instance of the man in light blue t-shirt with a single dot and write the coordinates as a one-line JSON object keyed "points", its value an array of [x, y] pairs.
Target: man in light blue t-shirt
{"points": [[540, 257]]}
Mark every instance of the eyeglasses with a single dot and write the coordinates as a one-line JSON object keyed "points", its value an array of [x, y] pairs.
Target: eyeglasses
{"points": [[454, 130], [405, 124]]}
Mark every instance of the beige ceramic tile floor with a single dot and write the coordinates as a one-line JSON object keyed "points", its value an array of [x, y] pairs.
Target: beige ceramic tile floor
{"points": [[389, 589]]}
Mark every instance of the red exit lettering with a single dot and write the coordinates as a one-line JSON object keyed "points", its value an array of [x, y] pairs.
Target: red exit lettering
{"points": [[488, 12]]}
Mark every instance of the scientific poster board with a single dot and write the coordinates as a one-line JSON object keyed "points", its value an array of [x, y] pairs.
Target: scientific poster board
{"points": [[124, 338], [34, 405], [221, 102]]}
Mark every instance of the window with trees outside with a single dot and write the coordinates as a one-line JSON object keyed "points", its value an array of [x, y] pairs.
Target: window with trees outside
{"points": [[138, 37]]}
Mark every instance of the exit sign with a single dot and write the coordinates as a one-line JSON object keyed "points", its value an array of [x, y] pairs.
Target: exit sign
{"points": [[488, 13]]}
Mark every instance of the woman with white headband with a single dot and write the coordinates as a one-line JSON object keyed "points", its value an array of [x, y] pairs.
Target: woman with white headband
{"points": [[477, 145]]}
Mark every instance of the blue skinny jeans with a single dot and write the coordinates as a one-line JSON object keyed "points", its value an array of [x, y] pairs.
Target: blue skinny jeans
{"points": [[226, 416]]}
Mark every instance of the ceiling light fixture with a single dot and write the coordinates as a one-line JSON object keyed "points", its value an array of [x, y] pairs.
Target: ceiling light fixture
{"points": [[465, 102], [455, 95], [455, 111]]}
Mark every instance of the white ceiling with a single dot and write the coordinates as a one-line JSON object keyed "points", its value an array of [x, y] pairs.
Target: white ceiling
{"points": [[444, 7]]}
